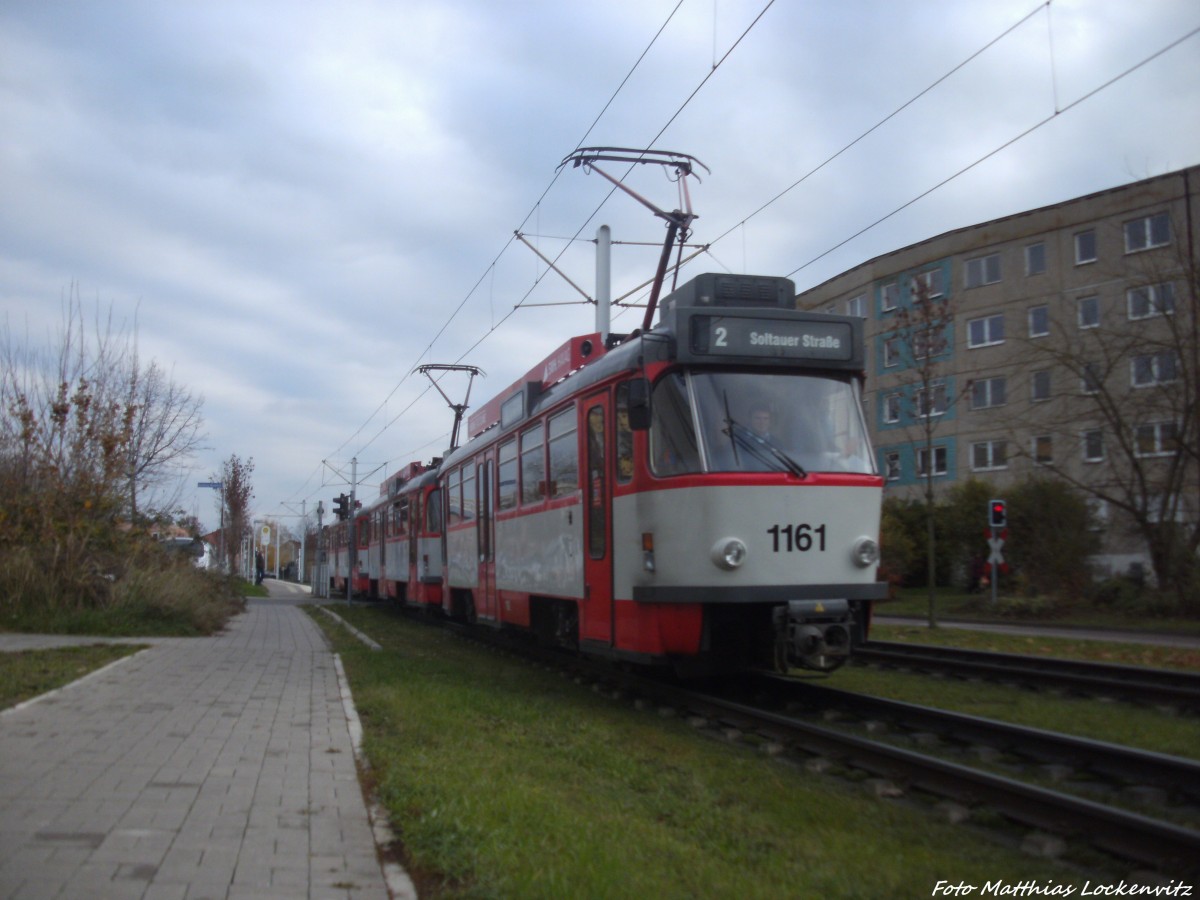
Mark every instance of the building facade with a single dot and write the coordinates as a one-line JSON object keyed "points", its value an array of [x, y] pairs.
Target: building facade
{"points": [[1060, 341]]}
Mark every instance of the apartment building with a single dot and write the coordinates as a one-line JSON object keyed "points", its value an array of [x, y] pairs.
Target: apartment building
{"points": [[1060, 341]]}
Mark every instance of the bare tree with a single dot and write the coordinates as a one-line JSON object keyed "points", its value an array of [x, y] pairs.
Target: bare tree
{"points": [[918, 344], [63, 435], [92, 373], [62, 418], [238, 493], [165, 429]]}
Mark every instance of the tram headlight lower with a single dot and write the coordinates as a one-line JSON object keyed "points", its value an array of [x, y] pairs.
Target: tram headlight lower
{"points": [[865, 552], [728, 553]]}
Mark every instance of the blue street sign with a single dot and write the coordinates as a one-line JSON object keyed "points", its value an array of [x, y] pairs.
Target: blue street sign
{"points": [[208, 484]]}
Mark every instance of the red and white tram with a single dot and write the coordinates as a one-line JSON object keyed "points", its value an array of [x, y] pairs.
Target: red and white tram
{"points": [[404, 556], [702, 494]]}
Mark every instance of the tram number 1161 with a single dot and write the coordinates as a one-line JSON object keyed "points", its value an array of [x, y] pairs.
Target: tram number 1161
{"points": [[797, 538]]}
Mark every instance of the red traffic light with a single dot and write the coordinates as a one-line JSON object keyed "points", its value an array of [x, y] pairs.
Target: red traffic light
{"points": [[998, 514]]}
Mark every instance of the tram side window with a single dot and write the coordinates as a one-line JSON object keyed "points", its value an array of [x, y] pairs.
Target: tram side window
{"points": [[564, 455], [468, 494], [454, 497], [507, 487], [433, 512], [673, 449], [533, 464], [402, 517], [624, 436], [597, 499]]}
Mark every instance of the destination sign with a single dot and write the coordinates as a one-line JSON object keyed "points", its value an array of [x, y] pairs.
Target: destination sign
{"points": [[761, 336]]}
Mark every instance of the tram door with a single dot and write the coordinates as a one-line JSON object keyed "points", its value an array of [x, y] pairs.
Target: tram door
{"points": [[414, 533], [597, 616], [485, 601]]}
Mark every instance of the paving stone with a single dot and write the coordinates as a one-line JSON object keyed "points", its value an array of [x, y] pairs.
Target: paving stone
{"points": [[195, 768]]}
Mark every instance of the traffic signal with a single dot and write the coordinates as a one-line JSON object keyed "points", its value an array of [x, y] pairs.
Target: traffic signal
{"points": [[341, 507], [998, 514]]}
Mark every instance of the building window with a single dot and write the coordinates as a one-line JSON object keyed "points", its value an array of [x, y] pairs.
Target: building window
{"points": [[986, 331], [983, 270], [1085, 247], [891, 408], [1156, 439], [1040, 385], [1089, 312], [1151, 300], [1035, 259], [889, 295], [857, 306], [987, 392], [931, 402], [1093, 445], [891, 352], [1043, 450], [891, 465], [1091, 381], [1152, 369], [928, 284], [987, 455], [1147, 232], [927, 342], [939, 461], [1039, 321]]}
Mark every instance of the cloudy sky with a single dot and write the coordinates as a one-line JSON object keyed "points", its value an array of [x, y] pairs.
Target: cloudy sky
{"points": [[299, 202]]}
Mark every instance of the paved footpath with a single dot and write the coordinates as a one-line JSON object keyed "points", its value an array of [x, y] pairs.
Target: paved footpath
{"points": [[216, 767]]}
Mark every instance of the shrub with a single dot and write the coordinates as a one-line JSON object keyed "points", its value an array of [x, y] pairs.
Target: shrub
{"points": [[147, 591]]}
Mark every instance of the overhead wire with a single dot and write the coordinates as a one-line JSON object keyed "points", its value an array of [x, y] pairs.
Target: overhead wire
{"points": [[683, 106], [1004, 146], [491, 267], [717, 63], [899, 109]]}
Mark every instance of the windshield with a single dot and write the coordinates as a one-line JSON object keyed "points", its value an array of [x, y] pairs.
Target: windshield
{"points": [[757, 422]]}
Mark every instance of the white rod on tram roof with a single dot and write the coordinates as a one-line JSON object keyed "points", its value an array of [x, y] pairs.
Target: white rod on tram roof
{"points": [[603, 281]]}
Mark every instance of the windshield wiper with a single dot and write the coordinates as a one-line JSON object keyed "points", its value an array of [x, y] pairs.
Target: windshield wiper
{"points": [[762, 447]]}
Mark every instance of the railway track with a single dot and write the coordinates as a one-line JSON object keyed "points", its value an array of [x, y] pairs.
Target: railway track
{"points": [[1101, 767], [1179, 690], [1139, 838]]}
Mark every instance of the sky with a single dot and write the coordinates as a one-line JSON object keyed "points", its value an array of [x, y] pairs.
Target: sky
{"points": [[294, 204]]}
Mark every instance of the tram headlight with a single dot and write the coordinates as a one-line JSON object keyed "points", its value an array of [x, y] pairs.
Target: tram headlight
{"points": [[728, 553], [865, 552]]}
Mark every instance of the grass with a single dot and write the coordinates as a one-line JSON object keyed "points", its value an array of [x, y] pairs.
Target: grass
{"points": [[250, 589], [1120, 723], [956, 604], [510, 781], [28, 673]]}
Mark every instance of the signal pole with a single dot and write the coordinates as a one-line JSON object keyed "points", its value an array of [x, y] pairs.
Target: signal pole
{"points": [[352, 554], [998, 533]]}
